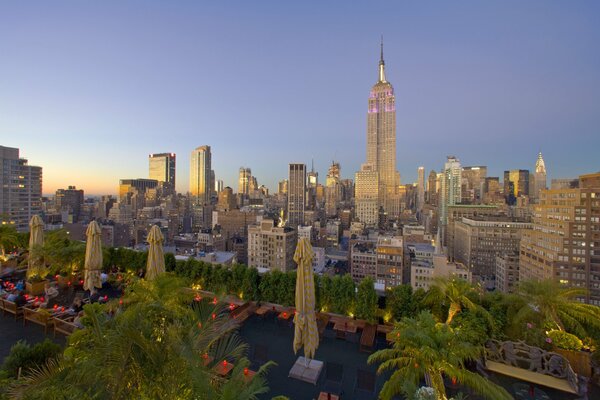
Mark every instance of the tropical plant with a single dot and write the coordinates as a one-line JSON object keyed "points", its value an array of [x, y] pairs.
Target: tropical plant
{"points": [[564, 340], [551, 303], [366, 301], [425, 349], [9, 238], [156, 346], [455, 293], [24, 356]]}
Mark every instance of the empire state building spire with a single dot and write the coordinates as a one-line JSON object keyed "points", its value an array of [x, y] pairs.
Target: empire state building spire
{"points": [[381, 64]]}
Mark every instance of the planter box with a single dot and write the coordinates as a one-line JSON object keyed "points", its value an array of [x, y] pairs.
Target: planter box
{"points": [[580, 361], [35, 288]]}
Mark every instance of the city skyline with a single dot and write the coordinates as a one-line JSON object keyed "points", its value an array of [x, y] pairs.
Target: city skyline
{"points": [[106, 98]]}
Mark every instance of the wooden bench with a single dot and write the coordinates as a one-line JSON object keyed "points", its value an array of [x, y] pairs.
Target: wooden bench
{"points": [[367, 339], [11, 308], [64, 326], [37, 316]]}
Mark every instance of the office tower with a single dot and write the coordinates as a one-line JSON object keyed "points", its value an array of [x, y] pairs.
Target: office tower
{"points": [[507, 272], [333, 190], [282, 186], [479, 240], [450, 191], [227, 200], [516, 184], [311, 189], [457, 213], [539, 177], [381, 259], [219, 185], [69, 201], [472, 179], [420, 188], [366, 195], [432, 193], [161, 167], [244, 181], [140, 186], [491, 190], [564, 183], [381, 139], [213, 183], [20, 189], [200, 168], [564, 244], [270, 246], [296, 194]]}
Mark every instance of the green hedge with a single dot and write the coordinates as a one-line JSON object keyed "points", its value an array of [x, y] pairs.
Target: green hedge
{"points": [[564, 340]]}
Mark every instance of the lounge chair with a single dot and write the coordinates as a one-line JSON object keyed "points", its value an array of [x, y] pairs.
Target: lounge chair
{"points": [[364, 387], [334, 375]]}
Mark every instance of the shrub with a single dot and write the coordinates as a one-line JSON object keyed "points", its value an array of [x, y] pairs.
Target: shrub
{"points": [[25, 356], [565, 340], [366, 301]]}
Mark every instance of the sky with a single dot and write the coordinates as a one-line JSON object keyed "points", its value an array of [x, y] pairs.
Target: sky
{"points": [[89, 89]]}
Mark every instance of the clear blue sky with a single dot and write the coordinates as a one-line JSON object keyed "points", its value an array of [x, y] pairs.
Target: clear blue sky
{"points": [[88, 89]]}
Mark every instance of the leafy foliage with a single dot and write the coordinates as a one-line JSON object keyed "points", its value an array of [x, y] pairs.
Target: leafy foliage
{"points": [[366, 301], [154, 347], [564, 340], [26, 357], [425, 347], [400, 302]]}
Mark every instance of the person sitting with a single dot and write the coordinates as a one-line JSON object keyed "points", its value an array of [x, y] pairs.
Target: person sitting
{"points": [[21, 300], [76, 307], [141, 273], [77, 321], [50, 291], [13, 296], [20, 285]]}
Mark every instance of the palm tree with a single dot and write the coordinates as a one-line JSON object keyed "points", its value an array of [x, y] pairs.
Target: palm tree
{"points": [[9, 238], [455, 293], [156, 347], [425, 349], [558, 305]]}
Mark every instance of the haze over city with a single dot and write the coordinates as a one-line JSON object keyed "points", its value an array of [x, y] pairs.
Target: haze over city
{"points": [[88, 91]]}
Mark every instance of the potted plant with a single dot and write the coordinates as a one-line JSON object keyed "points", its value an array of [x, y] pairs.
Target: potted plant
{"points": [[35, 285]]}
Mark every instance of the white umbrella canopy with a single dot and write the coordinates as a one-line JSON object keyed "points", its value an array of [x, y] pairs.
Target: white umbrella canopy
{"points": [[35, 265], [156, 256], [93, 258]]}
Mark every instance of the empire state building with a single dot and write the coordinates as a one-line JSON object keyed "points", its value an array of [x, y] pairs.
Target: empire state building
{"points": [[381, 140]]}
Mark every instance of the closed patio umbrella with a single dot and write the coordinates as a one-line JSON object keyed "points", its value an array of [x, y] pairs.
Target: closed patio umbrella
{"points": [[93, 258], [156, 256], [36, 239], [305, 332]]}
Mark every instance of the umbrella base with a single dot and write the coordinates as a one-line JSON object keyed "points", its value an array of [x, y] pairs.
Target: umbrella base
{"points": [[306, 372]]}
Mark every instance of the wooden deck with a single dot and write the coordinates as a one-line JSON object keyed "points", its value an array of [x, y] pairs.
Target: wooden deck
{"points": [[529, 376]]}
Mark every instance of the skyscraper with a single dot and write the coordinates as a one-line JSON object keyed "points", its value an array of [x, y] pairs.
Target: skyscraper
{"points": [[296, 194], [366, 195], [200, 176], [333, 190], [381, 139], [70, 201], [420, 188], [20, 189], [244, 181], [161, 167], [539, 177], [516, 184], [450, 192]]}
